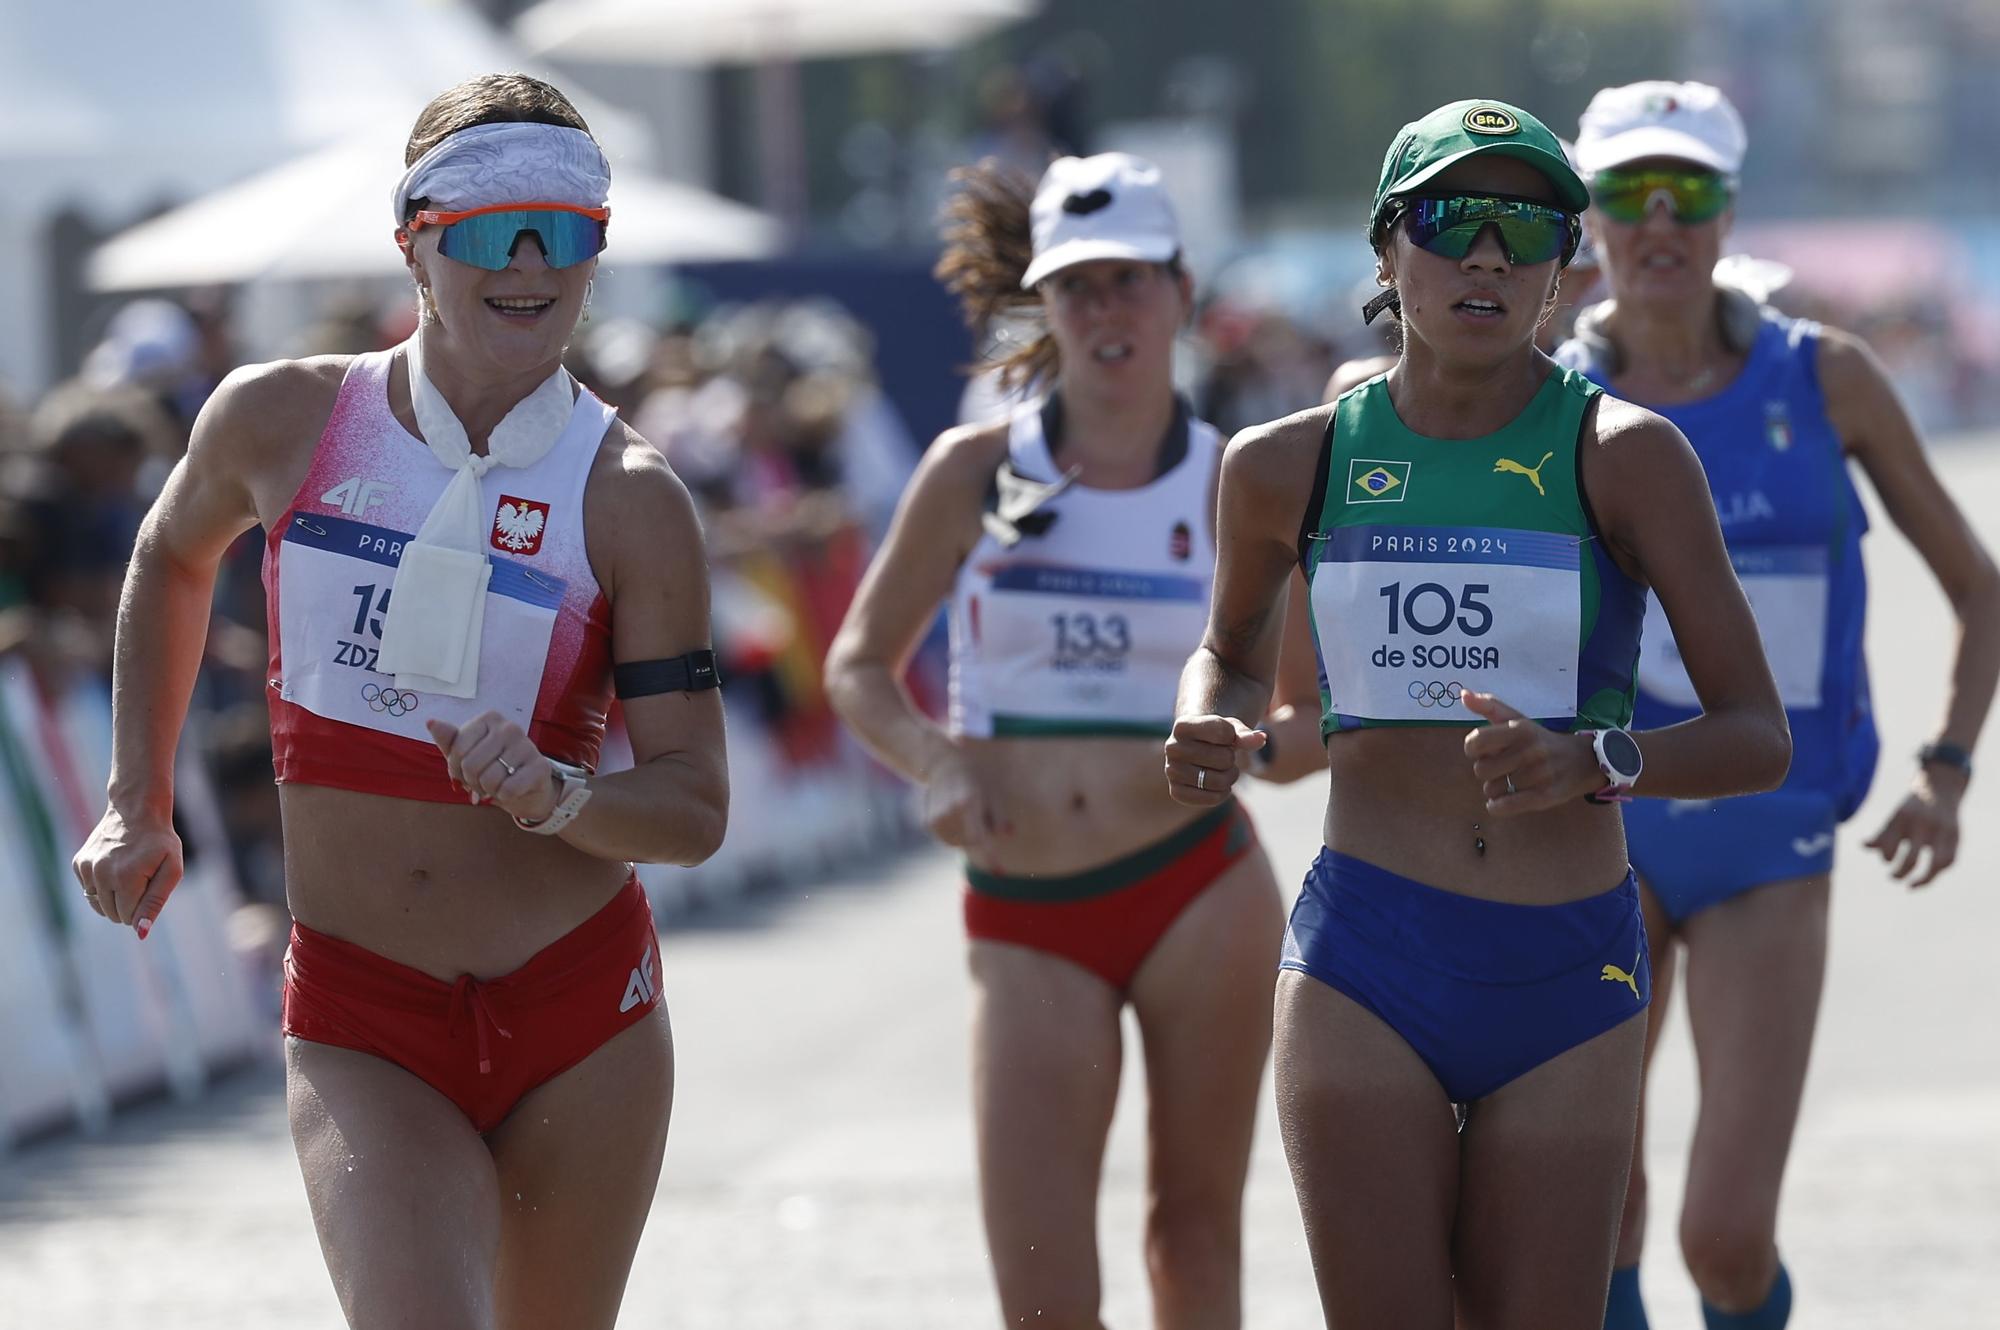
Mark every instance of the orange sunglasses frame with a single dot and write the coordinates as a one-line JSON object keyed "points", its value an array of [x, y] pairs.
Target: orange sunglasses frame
{"points": [[428, 217]]}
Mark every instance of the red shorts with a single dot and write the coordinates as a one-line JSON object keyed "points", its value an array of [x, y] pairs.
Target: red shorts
{"points": [[481, 1043], [1109, 919]]}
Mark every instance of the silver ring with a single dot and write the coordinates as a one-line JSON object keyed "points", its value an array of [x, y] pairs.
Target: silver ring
{"points": [[1510, 783], [509, 766], [1201, 778]]}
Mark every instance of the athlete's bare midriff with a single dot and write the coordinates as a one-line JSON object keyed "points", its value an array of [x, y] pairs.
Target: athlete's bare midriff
{"points": [[445, 889], [1075, 804], [1405, 799]]}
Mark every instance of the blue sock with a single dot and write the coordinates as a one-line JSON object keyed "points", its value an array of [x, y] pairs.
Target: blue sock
{"points": [[1777, 1309], [1624, 1310]]}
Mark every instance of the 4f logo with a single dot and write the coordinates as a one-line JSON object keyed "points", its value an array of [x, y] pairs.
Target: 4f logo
{"points": [[518, 525], [643, 985], [356, 496]]}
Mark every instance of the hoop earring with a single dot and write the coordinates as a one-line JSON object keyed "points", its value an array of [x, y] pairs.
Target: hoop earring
{"points": [[1551, 305]]}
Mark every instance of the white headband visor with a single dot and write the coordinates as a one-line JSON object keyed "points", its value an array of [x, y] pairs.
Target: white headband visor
{"points": [[513, 162]]}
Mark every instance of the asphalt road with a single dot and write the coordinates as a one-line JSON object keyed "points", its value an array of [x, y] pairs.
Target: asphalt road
{"points": [[820, 1172]]}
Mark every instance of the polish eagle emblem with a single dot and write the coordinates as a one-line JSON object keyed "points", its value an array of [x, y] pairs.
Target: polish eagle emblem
{"points": [[518, 525]]}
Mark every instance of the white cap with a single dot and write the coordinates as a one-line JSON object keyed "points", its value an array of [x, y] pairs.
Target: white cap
{"points": [[1691, 121], [1111, 206]]}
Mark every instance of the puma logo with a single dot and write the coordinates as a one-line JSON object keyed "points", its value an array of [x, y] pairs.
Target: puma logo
{"points": [[1082, 205], [1616, 975], [1534, 474]]}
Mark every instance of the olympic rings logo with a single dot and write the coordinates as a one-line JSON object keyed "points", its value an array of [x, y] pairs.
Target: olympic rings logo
{"points": [[1435, 693], [392, 700]]}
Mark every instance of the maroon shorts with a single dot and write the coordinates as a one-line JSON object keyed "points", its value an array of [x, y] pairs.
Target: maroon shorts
{"points": [[1109, 919], [481, 1043]]}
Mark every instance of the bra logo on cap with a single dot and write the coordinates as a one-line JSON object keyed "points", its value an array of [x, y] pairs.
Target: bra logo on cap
{"points": [[1085, 204], [1491, 120]]}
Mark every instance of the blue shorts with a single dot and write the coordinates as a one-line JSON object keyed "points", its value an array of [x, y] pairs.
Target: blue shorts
{"points": [[1692, 855], [1483, 991]]}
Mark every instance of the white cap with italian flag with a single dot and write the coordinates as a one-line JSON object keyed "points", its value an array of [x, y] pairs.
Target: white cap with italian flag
{"points": [[1692, 122]]}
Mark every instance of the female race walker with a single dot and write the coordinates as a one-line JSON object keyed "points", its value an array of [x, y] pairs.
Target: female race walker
{"points": [[479, 1068], [1074, 543], [1478, 529], [1774, 407]]}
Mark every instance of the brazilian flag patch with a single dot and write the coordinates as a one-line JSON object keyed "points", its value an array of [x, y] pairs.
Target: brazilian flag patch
{"points": [[1370, 480]]}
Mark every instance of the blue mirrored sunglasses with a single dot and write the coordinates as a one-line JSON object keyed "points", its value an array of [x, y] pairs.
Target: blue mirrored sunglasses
{"points": [[486, 237]]}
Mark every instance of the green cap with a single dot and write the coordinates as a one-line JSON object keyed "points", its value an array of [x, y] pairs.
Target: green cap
{"points": [[1453, 133]]}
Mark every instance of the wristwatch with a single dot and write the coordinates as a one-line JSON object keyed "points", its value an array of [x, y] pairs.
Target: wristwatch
{"points": [[1946, 755], [572, 793], [1619, 759], [1261, 759]]}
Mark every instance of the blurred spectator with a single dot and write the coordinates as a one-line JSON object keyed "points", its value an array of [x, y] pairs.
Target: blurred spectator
{"points": [[17, 543], [348, 326], [613, 357], [78, 484], [1264, 366], [772, 417], [164, 350], [238, 753]]}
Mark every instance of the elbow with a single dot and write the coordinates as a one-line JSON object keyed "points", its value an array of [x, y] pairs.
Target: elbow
{"points": [[838, 681], [702, 836], [1981, 604], [842, 674], [1773, 759]]}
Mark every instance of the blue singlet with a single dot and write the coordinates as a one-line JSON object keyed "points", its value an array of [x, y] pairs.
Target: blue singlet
{"points": [[1794, 523]]}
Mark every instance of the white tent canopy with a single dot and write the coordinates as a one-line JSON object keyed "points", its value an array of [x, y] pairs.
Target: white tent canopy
{"points": [[711, 32], [112, 107], [327, 214]]}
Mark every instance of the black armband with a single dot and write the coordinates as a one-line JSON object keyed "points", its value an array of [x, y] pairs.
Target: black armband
{"points": [[683, 674]]}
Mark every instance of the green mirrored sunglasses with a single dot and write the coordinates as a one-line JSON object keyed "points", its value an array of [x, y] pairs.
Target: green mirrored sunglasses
{"points": [[1691, 196]]}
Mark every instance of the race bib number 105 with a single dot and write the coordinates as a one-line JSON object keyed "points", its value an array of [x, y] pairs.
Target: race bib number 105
{"points": [[1408, 618]]}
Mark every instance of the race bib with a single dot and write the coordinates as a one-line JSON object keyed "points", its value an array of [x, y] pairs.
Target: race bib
{"points": [[337, 579], [1408, 618], [1083, 644], [1787, 587]]}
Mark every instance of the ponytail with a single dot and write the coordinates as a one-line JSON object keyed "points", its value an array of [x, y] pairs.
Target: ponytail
{"points": [[988, 245]]}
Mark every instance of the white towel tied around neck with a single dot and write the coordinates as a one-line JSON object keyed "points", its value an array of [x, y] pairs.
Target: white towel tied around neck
{"points": [[430, 637]]}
